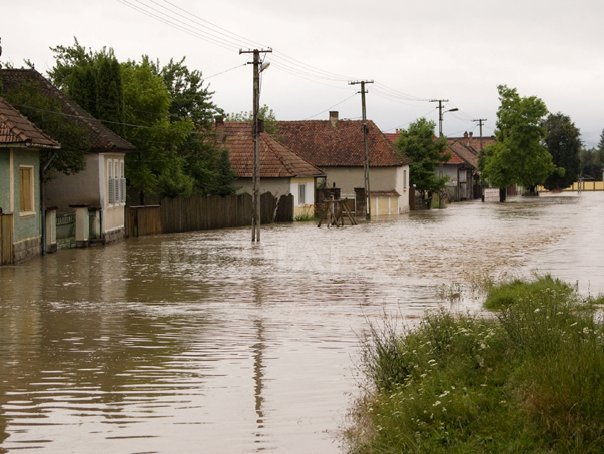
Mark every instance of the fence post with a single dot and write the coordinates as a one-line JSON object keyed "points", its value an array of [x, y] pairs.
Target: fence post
{"points": [[51, 230], [82, 220]]}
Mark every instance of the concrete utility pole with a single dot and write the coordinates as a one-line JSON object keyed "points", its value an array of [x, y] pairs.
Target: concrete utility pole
{"points": [[258, 68], [366, 143], [441, 112], [480, 122]]}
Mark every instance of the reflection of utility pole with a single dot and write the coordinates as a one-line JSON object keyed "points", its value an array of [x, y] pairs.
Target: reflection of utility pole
{"points": [[255, 134], [441, 112], [366, 143], [480, 122]]}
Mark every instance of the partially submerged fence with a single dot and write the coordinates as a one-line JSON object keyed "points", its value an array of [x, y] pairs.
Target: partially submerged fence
{"points": [[6, 239], [187, 214]]}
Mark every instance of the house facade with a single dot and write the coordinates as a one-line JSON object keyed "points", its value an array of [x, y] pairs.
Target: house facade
{"points": [[20, 207], [462, 166], [282, 171], [101, 185], [337, 148]]}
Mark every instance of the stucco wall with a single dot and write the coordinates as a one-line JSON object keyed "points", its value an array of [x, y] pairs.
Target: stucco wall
{"points": [[5, 180], [276, 186], [81, 188], [26, 226], [380, 179], [308, 207]]}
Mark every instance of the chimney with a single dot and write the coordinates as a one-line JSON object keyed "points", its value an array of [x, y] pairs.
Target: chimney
{"points": [[465, 134], [333, 117], [471, 134], [219, 120]]}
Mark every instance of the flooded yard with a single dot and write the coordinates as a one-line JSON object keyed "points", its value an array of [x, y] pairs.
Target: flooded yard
{"points": [[203, 342]]}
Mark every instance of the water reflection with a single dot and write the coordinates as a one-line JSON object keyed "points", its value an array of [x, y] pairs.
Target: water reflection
{"points": [[204, 343]]}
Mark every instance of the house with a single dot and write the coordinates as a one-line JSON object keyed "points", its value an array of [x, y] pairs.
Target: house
{"points": [[20, 213], [101, 186], [462, 166], [337, 148], [281, 170]]}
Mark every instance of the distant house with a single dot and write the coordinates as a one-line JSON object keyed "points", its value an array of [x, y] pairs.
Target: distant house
{"points": [[462, 167], [20, 216], [102, 184], [282, 171], [337, 148]]}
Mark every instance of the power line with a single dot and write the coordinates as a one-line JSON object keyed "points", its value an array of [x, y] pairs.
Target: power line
{"points": [[331, 107]]}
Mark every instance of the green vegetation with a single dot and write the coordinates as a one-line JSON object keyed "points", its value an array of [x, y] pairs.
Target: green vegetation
{"points": [[563, 141], [529, 379], [592, 160], [518, 155], [166, 112], [418, 142]]}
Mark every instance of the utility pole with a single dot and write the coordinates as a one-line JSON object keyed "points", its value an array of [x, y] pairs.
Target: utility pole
{"points": [[441, 112], [480, 122], [256, 137], [366, 143]]}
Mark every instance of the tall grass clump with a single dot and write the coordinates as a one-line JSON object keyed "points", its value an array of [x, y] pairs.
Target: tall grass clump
{"points": [[530, 379]]}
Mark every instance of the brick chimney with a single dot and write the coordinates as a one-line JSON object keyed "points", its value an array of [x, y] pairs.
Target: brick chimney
{"points": [[333, 117]]}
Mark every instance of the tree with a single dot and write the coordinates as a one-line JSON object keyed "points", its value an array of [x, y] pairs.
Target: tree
{"points": [[426, 152], [518, 156], [265, 113], [93, 80], [156, 167], [45, 112], [563, 143]]}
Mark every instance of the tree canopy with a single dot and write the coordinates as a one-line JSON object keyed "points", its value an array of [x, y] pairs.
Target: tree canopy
{"points": [[564, 144], [518, 156], [427, 152], [165, 112], [592, 160]]}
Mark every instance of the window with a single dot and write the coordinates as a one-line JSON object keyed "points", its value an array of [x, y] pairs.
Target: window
{"points": [[405, 179], [116, 181], [27, 189], [122, 182], [301, 194]]}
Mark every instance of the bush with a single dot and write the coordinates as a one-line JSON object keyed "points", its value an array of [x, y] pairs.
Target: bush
{"points": [[531, 379]]}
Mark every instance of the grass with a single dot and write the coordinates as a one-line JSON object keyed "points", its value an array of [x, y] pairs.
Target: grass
{"points": [[530, 379]]}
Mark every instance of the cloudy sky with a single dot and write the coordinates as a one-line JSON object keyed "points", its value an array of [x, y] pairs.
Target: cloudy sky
{"points": [[413, 50]]}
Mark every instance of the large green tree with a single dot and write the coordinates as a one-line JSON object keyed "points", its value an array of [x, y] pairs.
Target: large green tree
{"points": [[156, 168], [427, 152], [519, 155], [93, 80], [564, 143], [166, 112], [592, 160], [31, 100]]}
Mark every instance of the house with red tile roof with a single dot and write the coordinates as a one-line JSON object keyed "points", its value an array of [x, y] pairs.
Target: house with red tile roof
{"points": [[336, 147], [20, 207], [462, 167], [102, 184], [282, 171]]}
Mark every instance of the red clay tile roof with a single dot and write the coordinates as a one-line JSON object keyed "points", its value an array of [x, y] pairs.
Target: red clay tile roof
{"points": [[16, 129], [326, 145], [276, 160], [101, 137]]}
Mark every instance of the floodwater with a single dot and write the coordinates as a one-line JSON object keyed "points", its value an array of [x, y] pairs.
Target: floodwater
{"points": [[202, 342]]}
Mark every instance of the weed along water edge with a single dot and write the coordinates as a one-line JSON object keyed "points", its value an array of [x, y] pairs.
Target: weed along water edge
{"points": [[201, 342]]}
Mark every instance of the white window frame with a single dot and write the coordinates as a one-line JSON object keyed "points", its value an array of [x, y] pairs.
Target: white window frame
{"points": [[301, 193], [110, 185]]}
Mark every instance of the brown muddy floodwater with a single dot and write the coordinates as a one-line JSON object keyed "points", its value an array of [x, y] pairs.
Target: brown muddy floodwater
{"points": [[202, 342]]}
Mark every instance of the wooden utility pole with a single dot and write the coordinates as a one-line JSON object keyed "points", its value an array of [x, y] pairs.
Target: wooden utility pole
{"points": [[256, 137], [366, 143], [480, 122]]}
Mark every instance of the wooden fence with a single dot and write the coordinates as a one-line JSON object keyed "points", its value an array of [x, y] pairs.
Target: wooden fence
{"points": [[188, 214], [6, 239], [144, 220]]}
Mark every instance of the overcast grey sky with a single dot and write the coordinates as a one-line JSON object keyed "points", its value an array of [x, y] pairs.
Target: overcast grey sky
{"points": [[457, 50]]}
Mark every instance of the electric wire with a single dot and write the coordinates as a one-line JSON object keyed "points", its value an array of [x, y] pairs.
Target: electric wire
{"points": [[331, 107]]}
